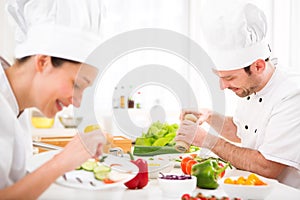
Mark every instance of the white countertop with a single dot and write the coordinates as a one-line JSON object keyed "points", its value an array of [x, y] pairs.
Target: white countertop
{"points": [[151, 191]]}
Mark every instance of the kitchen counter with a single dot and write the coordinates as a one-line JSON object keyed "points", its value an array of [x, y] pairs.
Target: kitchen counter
{"points": [[53, 132], [151, 191]]}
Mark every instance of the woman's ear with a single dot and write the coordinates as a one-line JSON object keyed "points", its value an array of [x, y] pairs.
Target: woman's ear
{"points": [[41, 62]]}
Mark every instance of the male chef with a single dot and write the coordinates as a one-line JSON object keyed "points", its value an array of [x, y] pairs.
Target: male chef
{"points": [[266, 122]]}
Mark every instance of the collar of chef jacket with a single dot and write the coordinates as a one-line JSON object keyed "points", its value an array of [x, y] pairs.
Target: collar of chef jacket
{"points": [[7, 92]]}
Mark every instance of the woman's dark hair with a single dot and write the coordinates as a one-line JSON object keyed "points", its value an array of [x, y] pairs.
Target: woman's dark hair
{"points": [[247, 69], [56, 62]]}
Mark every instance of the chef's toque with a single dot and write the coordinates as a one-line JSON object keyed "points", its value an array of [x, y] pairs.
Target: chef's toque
{"points": [[67, 29], [235, 33]]}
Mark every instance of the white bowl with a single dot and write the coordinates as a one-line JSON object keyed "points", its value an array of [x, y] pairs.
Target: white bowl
{"points": [[248, 191], [158, 164], [69, 121], [176, 188]]}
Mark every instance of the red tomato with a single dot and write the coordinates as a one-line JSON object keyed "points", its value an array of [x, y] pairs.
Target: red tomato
{"points": [[223, 173], [185, 197], [184, 162], [189, 166]]}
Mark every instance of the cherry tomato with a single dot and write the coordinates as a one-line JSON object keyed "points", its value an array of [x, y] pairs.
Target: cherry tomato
{"points": [[185, 197], [184, 162], [189, 166]]}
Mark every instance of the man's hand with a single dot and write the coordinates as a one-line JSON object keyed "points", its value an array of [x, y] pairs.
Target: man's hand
{"points": [[203, 115], [194, 134]]}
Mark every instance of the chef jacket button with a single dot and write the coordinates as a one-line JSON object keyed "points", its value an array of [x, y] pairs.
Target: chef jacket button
{"points": [[255, 131], [246, 127], [248, 98], [260, 100]]}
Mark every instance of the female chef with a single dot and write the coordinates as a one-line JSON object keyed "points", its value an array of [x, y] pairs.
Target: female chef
{"points": [[54, 38], [267, 118]]}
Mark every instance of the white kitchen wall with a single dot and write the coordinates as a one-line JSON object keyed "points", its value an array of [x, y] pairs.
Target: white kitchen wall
{"points": [[6, 35], [182, 16]]}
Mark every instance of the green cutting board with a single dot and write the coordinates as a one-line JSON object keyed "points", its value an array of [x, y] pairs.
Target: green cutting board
{"points": [[153, 150]]}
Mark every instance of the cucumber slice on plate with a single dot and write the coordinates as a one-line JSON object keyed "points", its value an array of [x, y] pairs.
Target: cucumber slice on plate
{"points": [[101, 168], [89, 165], [101, 175]]}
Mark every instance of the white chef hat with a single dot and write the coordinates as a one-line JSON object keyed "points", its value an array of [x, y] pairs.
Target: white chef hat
{"points": [[67, 29], [235, 33]]}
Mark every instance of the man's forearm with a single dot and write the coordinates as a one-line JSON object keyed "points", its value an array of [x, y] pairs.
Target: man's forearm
{"points": [[224, 126], [247, 159]]}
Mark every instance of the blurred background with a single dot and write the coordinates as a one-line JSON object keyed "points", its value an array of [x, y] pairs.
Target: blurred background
{"points": [[182, 16]]}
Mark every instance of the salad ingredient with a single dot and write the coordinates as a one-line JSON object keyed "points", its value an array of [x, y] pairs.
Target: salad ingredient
{"points": [[185, 197], [101, 172], [184, 162], [200, 196], [89, 165], [189, 166], [174, 177], [141, 179], [158, 134], [223, 173], [208, 172], [252, 179]]}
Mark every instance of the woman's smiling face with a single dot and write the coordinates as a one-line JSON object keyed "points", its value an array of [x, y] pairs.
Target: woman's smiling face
{"points": [[58, 87]]}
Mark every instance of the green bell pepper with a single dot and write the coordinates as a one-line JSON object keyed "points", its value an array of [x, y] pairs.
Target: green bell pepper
{"points": [[208, 171]]}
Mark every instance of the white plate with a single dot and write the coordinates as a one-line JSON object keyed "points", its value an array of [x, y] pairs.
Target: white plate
{"points": [[122, 171]]}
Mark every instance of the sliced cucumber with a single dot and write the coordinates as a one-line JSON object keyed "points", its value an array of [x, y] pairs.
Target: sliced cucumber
{"points": [[101, 168], [78, 168], [101, 175], [89, 165]]}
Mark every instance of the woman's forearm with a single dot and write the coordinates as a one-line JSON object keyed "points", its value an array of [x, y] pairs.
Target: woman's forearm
{"points": [[35, 183]]}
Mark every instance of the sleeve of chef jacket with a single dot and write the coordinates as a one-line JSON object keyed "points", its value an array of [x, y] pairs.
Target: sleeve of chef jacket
{"points": [[282, 137], [6, 142]]}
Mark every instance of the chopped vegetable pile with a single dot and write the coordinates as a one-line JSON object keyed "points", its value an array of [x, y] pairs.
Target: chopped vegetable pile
{"points": [[158, 134]]}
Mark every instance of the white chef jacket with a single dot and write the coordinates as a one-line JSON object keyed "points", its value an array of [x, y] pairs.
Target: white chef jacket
{"points": [[13, 140], [269, 121]]}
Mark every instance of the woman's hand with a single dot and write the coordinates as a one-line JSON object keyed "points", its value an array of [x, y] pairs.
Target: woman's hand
{"points": [[81, 148]]}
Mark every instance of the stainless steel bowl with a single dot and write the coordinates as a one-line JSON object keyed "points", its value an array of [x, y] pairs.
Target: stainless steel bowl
{"points": [[70, 121]]}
